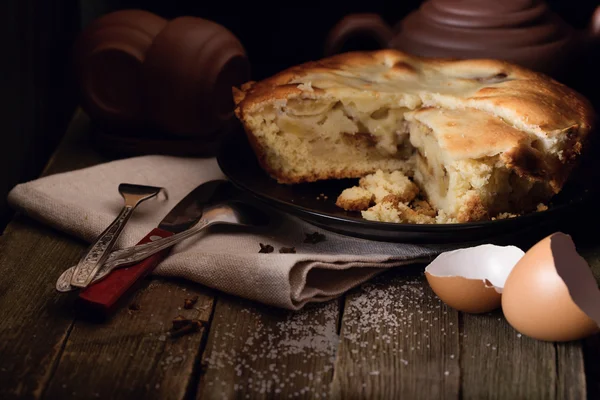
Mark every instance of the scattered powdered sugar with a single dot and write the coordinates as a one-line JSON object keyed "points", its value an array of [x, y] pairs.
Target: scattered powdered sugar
{"points": [[392, 322], [171, 360], [275, 358], [386, 310]]}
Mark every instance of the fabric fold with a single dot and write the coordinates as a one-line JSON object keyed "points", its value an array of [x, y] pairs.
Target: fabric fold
{"points": [[83, 202]]}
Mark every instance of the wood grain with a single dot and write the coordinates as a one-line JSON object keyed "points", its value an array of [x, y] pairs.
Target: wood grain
{"points": [[499, 363], [42, 349], [591, 347], [394, 340], [570, 371], [397, 340], [35, 319], [134, 351], [258, 352]]}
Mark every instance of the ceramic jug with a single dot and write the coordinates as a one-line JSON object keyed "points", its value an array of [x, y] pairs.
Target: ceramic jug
{"points": [[138, 72]]}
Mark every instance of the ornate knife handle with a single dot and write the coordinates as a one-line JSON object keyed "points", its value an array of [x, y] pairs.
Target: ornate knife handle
{"points": [[89, 265]]}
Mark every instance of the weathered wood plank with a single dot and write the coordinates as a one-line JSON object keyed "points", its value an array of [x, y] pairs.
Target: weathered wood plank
{"points": [[258, 351], [254, 351], [591, 356], [397, 340], [591, 346], [130, 355], [571, 379], [122, 357], [133, 355], [499, 363], [34, 319]]}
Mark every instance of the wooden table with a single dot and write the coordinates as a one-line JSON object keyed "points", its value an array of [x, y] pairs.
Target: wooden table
{"points": [[390, 338]]}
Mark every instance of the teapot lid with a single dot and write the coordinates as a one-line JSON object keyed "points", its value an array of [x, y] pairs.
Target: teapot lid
{"points": [[485, 14], [477, 24]]}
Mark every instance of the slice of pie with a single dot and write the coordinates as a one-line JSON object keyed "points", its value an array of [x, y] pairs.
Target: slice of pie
{"points": [[479, 137]]}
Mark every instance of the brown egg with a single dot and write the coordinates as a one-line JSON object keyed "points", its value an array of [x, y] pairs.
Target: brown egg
{"points": [[471, 279], [551, 293], [468, 295]]}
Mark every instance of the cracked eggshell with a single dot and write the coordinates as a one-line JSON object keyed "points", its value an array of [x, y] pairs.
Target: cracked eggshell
{"points": [[471, 279], [551, 294]]}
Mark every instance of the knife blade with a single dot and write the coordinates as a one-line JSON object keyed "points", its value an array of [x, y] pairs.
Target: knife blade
{"points": [[105, 295]]}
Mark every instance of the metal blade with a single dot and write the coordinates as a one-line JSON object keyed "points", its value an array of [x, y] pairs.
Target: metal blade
{"points": [[189, 210]]}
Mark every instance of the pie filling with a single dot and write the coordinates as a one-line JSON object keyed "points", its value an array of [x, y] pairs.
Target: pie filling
{"points": [[328, 139]]}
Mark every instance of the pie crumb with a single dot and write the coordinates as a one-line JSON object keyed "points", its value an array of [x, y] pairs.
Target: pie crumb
{"points": [[392, 209], [424, 208], [505, 215], [382, 184], [355, 199]]}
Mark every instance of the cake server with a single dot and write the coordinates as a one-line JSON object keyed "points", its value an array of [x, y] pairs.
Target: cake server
{"points": [[94, 257]]}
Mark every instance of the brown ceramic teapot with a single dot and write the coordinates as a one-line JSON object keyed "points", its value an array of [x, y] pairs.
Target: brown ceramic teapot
{"points": [[525, 32]]}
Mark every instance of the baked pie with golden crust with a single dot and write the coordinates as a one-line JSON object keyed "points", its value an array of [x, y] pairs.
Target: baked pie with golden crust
{"points": [[478, 137]]}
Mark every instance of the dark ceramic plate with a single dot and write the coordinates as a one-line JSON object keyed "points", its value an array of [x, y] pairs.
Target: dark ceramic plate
{"points": [[315, 203]]}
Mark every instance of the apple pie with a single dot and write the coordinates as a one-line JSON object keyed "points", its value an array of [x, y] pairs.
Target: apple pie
{"points": [[476, 138]]}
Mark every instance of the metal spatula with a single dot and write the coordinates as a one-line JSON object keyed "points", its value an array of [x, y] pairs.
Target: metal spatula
{"points": [[95, 256]]}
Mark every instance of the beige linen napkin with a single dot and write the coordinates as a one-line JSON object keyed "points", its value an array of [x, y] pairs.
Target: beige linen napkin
{"points": [[83, 202]]}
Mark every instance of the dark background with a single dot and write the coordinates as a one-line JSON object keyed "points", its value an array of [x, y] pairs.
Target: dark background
{"points": [[37, 97]]}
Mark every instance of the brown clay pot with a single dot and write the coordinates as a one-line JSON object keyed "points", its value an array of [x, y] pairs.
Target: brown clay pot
{"points": [[141, 75], [188, 76], [108, 58], [525, 32]]}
